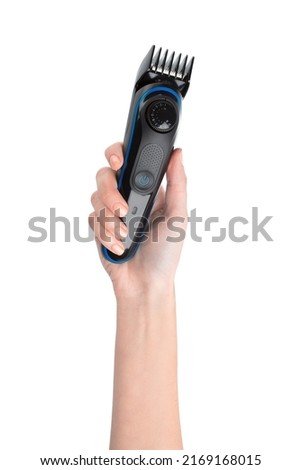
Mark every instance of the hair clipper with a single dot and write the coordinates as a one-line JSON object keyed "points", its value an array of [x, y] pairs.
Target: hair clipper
{"points": [[162, 82]]}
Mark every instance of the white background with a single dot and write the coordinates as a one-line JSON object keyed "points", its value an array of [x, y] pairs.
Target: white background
{"points": [[67, 72]]}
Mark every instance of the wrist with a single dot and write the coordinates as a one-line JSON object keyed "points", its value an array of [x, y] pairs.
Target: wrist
{"points": [[145, 293], [146, 301], [146, 325]]}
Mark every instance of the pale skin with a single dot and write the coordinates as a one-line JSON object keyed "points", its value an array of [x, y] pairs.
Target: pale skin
{"points": [[145, 400]]}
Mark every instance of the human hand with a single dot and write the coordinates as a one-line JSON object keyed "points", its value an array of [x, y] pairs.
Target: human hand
{"points": [[155, 262]]}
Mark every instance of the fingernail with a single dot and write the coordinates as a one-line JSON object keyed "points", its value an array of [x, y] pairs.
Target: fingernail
{"points": [[114, 160], [117, 249], [181, 155], [120, 209], [123, 230]]}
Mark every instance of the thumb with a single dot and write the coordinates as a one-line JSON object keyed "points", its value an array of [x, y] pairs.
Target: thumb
{"points": [[176, 194]]}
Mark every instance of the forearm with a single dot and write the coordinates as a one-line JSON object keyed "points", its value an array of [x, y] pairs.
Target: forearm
{"points": [[145, 402]]}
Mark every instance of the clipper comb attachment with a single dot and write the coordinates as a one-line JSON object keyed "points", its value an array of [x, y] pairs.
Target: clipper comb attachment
{"points": [[176, 67]]}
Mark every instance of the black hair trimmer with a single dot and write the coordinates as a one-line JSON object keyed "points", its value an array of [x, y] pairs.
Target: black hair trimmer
{"points": [[162, 81]]}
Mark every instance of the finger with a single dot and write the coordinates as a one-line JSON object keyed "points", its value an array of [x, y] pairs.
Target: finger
{"points": [[107, 193], [108, 224], [108, 231], [114, 155], [107, 218], [160, 200], [159, 204], [176, 195]]}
